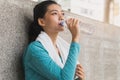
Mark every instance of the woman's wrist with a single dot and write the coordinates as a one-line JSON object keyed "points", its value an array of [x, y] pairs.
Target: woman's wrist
{"points": [[75, 39]]}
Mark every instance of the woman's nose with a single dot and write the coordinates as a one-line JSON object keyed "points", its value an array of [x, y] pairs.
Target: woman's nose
{"points": [[61, 17]]}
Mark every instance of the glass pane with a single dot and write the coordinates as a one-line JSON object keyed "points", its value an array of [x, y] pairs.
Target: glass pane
{"points": [[107, 11]]}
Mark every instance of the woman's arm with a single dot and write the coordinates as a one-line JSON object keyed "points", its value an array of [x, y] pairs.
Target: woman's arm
{"points": [[41, 62]]}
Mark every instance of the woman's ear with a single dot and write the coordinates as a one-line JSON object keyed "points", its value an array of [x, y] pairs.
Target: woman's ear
{"points": [[41, 22]]}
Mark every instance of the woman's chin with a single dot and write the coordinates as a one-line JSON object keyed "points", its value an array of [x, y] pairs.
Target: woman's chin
{"points": [[62, 29]]}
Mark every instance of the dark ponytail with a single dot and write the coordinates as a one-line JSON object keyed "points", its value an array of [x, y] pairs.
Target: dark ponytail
{"points": [[34, 30], [39, 12]]}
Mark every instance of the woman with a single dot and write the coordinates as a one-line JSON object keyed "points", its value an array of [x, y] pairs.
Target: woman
{"points": [[49, 57]]}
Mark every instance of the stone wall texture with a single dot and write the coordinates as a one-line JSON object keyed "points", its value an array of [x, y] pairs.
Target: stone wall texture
{"points": [[15, 16], [99, 55]]}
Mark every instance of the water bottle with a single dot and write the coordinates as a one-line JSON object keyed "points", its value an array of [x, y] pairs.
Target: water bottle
{"points": [[84, 27]]}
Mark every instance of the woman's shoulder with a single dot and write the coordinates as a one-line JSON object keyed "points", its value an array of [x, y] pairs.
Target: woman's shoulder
{"points": [[35, 45]]}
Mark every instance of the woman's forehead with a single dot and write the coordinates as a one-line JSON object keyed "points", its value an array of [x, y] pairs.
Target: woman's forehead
{"points": [[54, 7]]}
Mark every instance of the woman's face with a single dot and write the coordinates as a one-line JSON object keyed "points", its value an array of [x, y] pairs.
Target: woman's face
{"points": [[52, 19]]}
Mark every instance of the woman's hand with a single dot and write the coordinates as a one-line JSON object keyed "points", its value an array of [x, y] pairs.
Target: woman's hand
{"points": [[73, 26], [80, 72]]}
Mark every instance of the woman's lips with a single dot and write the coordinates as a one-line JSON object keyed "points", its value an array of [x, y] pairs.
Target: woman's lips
{"points": [[62, 23]]}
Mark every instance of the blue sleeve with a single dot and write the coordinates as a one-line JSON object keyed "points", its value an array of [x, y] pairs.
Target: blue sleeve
{"points": [[45, 66]]}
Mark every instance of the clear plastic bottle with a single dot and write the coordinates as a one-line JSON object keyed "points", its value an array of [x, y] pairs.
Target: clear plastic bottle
{"points": [[84, 27]]}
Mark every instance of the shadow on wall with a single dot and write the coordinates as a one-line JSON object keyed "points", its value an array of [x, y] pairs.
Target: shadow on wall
{"points": [[14, 22], [19, 65]]}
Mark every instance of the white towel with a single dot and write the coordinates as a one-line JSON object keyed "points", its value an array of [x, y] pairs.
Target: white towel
{"points": [[62, 45]]}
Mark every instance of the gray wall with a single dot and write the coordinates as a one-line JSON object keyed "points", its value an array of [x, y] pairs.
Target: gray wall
{"points": [[15, 16], [100, 52]]}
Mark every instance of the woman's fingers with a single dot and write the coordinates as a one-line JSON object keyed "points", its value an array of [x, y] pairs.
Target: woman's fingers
{"points": [[72, 22], [80, 72], [80, 76], [80, 68]]}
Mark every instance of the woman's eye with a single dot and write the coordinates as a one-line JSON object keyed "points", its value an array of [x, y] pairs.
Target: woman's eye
{"points": [[54, 13], [63, 14]]}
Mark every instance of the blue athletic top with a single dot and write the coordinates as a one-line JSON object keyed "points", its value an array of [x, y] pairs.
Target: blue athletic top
{"points": [[38, 65]]}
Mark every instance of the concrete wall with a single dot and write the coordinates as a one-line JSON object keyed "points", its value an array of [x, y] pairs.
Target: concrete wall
{"points": [[15, 16], [100, 52]]}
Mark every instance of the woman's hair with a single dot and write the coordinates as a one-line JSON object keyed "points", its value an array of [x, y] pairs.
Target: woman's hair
{"points": [[39, 12]]}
